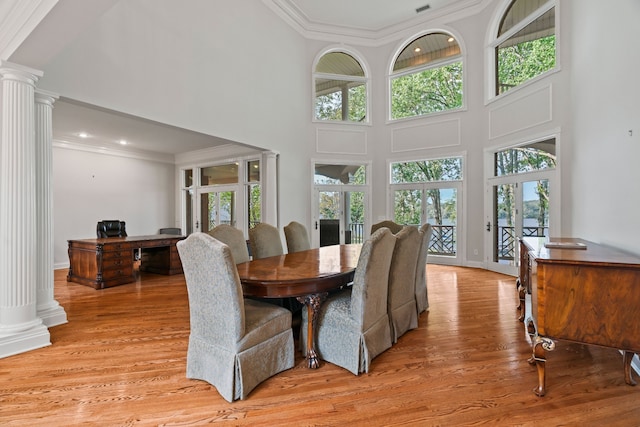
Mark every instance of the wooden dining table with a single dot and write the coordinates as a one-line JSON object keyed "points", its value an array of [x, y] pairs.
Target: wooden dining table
{"points": [[307, 276]]}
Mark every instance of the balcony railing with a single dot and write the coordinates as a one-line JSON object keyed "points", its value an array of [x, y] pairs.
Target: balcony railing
{"points": [[507, 239], [443, 238]]}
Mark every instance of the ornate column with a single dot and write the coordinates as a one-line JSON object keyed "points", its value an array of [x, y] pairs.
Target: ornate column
{"points": [[48, 309], [20, 328], [269, 180]]}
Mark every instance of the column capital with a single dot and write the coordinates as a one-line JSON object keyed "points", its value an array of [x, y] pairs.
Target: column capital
{"points": [[45, 97], [11, 71]]}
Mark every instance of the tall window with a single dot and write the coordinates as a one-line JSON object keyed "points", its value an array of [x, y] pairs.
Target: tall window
{"points": [[525, 45], [427, 77], [340, 88]]}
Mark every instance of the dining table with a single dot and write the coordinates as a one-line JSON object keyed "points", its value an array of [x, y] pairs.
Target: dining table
{"points": [[307, 275]]}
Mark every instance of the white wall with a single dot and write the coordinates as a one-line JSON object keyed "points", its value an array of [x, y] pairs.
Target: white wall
{"points": [[89, 187], [605, 106]]}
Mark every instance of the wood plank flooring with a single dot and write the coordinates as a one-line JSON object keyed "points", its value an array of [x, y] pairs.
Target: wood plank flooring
{"points": [[120, 361]]}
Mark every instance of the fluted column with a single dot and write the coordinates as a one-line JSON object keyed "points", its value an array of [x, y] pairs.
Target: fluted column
{"points": [[20, 328], [269, 181], [48, 309]]}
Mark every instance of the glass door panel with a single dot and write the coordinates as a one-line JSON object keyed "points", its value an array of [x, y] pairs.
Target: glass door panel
{"points": [[442, 214], [329, 217], [535, 208], [504, 234], [216, 207]]}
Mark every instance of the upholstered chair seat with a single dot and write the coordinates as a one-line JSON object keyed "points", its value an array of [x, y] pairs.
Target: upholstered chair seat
{"points": [[234, 343], [353, 324], [402, 282], [234, 238], [422, 296], [297, 237], [265, 241]]}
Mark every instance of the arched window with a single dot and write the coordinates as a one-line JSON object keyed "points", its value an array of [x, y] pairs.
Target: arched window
{"points": [[525, 44], [427, 77], [340, 88]]}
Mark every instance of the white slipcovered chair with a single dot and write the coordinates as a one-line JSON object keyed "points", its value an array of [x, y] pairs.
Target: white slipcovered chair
{"points": [[234, 238], [297, 237], [264, 240], [353, 325], [422, 297], [402, 282], [234, 343]]}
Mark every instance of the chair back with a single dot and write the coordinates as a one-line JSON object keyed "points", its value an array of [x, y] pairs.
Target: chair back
{"points": [[421, 273], [216, 303], [371, 279], [402, 281], [111, 228], [234, 238], [265, 241], [394, 227], [297, 237]]}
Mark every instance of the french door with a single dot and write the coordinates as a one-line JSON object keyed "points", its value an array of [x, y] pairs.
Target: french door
{"points": [[215, 207], [437, 203], [521, 205], [338, 215]]}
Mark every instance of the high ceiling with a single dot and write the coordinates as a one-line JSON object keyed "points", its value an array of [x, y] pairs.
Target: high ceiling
{"points": [[106, 128]]}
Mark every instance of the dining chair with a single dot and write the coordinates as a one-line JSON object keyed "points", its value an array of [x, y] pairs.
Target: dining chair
{"points": [[422, 297], [394, 227], [297, 237], [264, 240], [402, 282], [234, 343], [234, 238], [352, 325]]}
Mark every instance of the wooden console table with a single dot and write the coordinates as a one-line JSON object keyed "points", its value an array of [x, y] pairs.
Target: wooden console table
{"points": [[106, 262], [586, 295]]}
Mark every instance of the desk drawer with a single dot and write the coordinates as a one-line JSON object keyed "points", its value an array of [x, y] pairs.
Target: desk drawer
{"points": [[114, 273], [124, 254], [116, 246], [121, 262]]}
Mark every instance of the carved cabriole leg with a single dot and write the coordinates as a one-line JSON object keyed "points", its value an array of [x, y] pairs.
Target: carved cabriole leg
{"points": [[520, 290], [312, 302], [540, 346], [626, 360]]}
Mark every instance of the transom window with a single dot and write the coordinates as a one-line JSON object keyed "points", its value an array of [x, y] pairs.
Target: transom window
{"points": [[340, 88], [427, 77], [536, 156], [525, 45]]}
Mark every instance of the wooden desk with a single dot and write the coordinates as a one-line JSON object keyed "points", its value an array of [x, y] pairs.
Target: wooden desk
{"points": [[588, 296], [306, 275], [106, 262]]}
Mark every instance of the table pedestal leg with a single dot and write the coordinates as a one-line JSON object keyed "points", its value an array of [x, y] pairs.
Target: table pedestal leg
{"points": [[312, 302], [628, 356]]}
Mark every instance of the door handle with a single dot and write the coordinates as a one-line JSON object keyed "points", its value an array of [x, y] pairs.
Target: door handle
{"points": [[489, 226]]}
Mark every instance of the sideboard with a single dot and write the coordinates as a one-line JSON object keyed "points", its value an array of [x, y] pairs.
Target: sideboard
{"points": [[578, 291], [106, 262]]}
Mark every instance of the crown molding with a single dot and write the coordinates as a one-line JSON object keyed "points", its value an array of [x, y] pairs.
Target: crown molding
{"points": [[131, 154], [289, 13], [19, 18]]}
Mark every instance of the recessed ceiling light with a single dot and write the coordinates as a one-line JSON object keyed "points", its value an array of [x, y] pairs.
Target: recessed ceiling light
{"points": [[83, 135], [450, 39], [123, 142], [416, 50]]}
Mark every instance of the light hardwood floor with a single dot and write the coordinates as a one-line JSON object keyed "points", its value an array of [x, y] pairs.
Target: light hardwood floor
{"points": [[120, 361]]}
